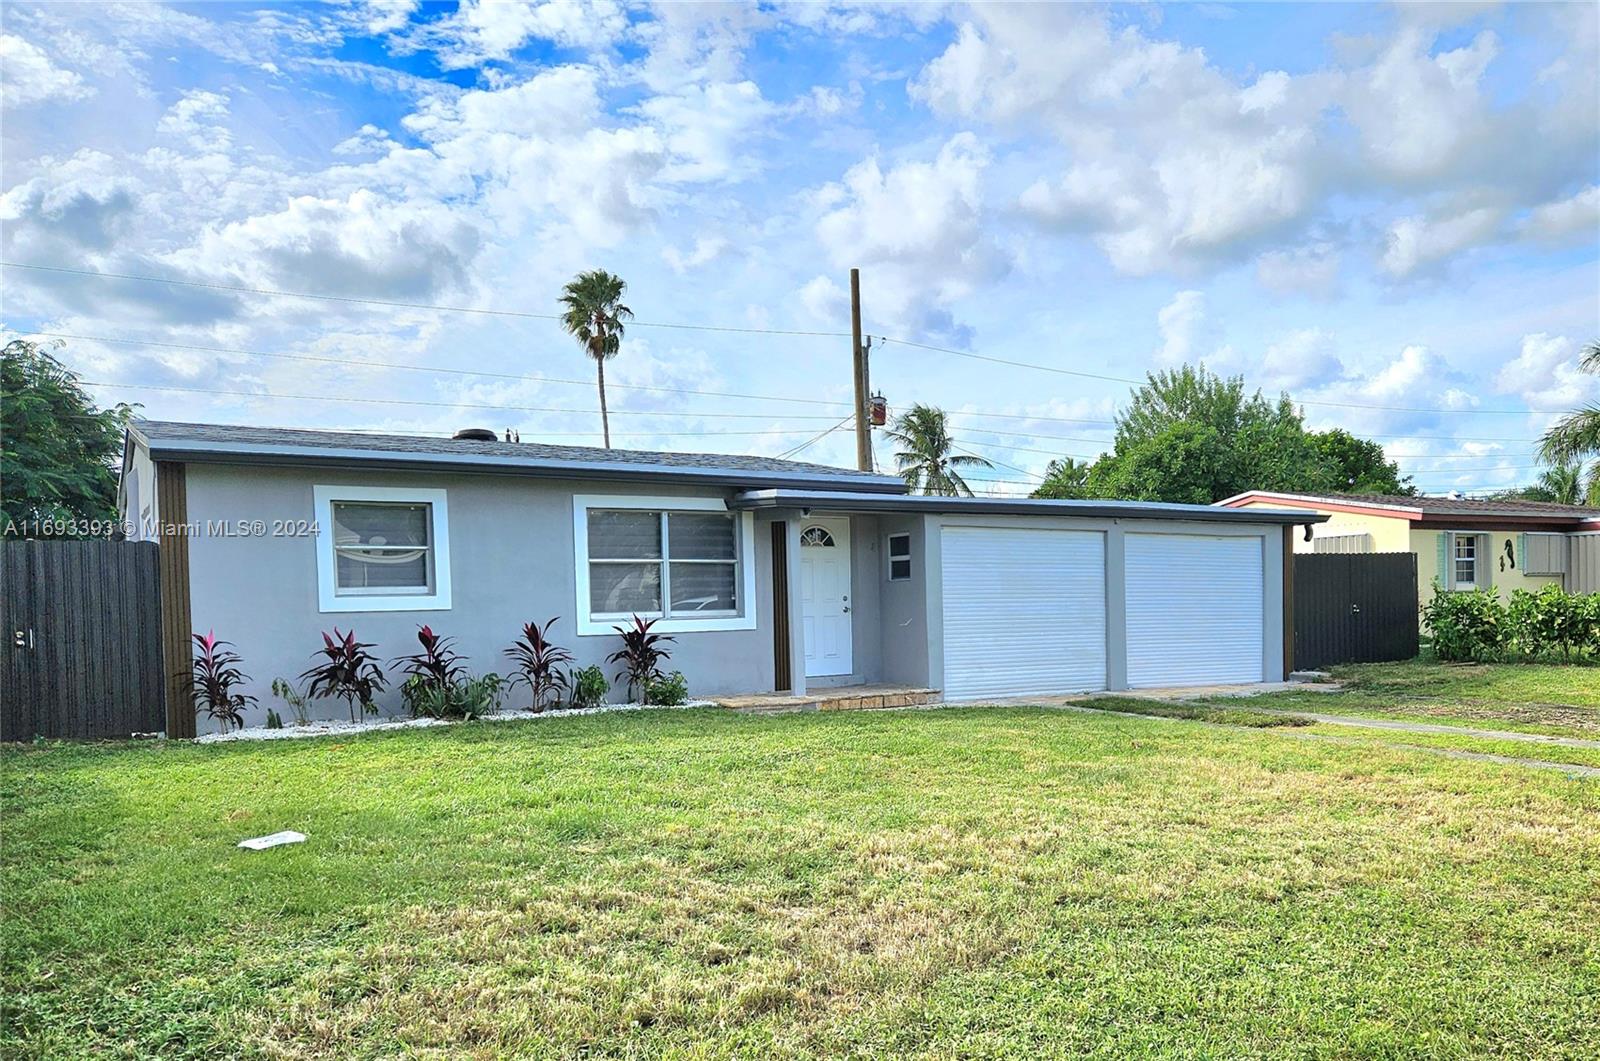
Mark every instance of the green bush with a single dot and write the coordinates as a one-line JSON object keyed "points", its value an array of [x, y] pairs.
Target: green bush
{"points": [[461, 698], [589, 687], [1551, 620], [1466, 626], [1475, 627], [667, 690]]}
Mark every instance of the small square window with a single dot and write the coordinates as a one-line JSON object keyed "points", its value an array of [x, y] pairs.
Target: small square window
{"points": [[381, 549], [899, 557]]}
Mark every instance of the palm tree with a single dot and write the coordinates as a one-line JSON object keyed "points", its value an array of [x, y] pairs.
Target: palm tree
{"points": [[1576, 435], [1562, 483], [926, 460], [594, 317]]}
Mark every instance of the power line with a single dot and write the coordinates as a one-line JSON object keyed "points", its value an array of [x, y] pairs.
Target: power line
{"points": [[816, 438], [432, 368], [395, 304], [440, 405]]}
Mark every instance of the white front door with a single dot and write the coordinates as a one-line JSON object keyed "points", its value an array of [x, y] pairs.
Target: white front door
{"points": [[825, 596]]}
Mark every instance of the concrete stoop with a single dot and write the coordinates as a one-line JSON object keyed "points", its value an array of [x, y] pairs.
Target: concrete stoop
{"points": [[844, 698]]}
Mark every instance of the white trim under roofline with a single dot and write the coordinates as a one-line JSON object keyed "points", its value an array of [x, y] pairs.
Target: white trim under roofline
{"points": [[255, 453], [843, 501], [1315, 499]]}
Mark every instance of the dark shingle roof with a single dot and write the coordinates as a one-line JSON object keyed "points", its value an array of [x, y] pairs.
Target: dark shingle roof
{"points": [[1452, 506], [297, 445]]}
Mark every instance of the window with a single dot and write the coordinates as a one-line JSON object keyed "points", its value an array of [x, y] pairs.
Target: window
{"points": [[681, 560], [381, 549], [899, 553], [1466, 561], [816, 537]]}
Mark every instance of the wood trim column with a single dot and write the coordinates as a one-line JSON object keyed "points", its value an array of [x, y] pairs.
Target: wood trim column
{"points": [[172, 511], [1288, 600], [782, 661]]}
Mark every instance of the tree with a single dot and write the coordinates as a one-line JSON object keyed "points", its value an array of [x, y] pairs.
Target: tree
{"points": [[1183, 463], [57, 458], [1358, 465], [1562, 484], [1065, 480], [927, 459], [595, 316], [1576, 435]]}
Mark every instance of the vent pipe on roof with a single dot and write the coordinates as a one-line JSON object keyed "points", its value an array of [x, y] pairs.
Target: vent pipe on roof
{"points": [[476, 434]]}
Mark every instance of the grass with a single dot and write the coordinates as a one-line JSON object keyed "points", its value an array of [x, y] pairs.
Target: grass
{"points": [[976, 882], [1228, 713]]}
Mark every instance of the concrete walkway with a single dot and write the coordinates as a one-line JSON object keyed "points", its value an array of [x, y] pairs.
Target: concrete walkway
{"points": [[1402, 726]]}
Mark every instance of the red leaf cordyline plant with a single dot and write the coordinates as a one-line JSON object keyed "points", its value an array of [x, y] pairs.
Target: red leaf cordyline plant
{"points": [[641, 654], [538, 664], [346, 670], [216, 673], [438, 664]]}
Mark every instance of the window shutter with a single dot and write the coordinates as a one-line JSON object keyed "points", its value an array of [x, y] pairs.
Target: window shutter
{"points": [[1446, 581], [1522, 553], [1486, 562]]}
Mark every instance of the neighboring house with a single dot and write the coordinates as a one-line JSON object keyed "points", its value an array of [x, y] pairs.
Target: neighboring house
{"points": [[1460, 543], [772, 575]]}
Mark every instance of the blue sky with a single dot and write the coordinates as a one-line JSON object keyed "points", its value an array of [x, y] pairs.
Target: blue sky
{"points": [[1391, 212]]}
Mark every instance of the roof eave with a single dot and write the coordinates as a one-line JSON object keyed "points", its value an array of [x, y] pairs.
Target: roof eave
{"points": [[847, 501], [321, 456], [1330, 503]]}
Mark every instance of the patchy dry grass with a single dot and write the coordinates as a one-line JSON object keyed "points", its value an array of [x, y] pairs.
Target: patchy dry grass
{"points": [[984, 882], [1222, 712]]}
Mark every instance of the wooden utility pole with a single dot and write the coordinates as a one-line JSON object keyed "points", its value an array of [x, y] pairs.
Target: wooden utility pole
{"points": [[863, 387]]}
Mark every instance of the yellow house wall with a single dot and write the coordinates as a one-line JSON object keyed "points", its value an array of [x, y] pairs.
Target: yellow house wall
{"points": [[1389, 535], [1425, 543]]}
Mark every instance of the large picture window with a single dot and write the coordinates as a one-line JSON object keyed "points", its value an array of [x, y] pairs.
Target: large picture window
{"points": [[381, 549], [662, 558]]}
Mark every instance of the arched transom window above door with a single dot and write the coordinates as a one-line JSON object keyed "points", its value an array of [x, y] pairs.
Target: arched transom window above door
{"points": [[817, 536]]}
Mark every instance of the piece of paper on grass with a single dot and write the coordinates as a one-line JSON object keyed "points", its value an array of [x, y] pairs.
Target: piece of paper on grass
{"points": [[261, 843]]}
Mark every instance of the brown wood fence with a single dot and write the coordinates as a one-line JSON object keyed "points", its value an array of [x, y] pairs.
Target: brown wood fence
{"points": [[1354, 608], [82, 644]]}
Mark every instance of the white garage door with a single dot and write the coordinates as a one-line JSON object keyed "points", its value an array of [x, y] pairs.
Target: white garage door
{"points": [[1024, 611], [1195, 610]]}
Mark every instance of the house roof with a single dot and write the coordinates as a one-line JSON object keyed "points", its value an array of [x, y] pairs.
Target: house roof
{"points": [[169, 440], [842, 501], [1419, 508]]}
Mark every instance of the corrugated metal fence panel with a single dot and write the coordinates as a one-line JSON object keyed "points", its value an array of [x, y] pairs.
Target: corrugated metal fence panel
{"points": [[82, 625], [1024, 611], [1342, 543], [1583, 564], [1354, 609], [1196, 609]]}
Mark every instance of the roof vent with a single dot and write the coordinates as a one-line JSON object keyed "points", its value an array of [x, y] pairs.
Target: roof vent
{"points": [[476, 434]]}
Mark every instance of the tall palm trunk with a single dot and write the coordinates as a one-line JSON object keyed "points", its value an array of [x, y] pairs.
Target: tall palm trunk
{"points": [[605, 417]]}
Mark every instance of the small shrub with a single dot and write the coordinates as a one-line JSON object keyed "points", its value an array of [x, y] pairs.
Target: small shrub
{"points": [[461, 698], [274, 720], [438, 663], [294, 698], [589, 687], [216, 673], [539, 664], [1553, 620], [640, 655], [347, 671], [1466, 626], [667, 690]]}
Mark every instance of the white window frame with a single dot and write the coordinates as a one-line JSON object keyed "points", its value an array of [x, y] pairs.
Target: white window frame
{"points": [[590, 625], [890, 556], [329, 599], [1456, 539]]}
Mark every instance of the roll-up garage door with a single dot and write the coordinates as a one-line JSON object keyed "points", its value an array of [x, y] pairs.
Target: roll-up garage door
{"points": [[1196, 611], [1024, 611]]}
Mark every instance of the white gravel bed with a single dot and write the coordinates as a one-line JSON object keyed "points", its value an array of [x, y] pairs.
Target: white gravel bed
{"points": [[344, 728]]}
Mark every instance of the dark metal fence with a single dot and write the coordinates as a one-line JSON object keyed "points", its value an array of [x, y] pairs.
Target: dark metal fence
{"points": [[82, 639], [1354, 608]]}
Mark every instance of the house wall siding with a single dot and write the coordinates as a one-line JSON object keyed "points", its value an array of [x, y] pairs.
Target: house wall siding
{"points": [[511, 556], [1502, 577]]}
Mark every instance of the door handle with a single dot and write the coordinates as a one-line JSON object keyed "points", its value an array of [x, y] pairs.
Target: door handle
{"points": [[23, 638], [847, 609], [1355, 609]]}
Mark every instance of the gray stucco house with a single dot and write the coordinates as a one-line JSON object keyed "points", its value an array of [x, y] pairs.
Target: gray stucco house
{"points": [[773, 575]]}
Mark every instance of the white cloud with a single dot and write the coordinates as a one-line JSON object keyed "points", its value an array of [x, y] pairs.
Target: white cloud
{"points": [[31, 77], [825, 300], [1416, 242], [706, 250], [198, 118], [1302, 357], [706, 126], [1573, 218], [482, 31], [1545, 375], [1312, 269], [1181, 323]]}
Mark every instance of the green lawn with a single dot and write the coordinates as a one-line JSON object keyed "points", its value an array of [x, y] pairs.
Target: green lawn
{"points": [[1534, 698], [981, 882]]}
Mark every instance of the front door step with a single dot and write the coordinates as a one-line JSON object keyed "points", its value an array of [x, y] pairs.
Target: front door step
{"points": [[846, 698]]}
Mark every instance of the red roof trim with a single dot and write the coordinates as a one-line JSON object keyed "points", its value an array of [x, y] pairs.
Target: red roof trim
{"points": [[1307, 501]]}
